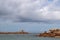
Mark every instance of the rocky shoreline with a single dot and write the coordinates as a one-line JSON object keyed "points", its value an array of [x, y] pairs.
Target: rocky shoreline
{"points": [[50, 33]]}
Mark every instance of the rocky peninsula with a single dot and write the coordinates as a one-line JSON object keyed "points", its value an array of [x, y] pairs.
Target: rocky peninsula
{"points": [[50, 33]]}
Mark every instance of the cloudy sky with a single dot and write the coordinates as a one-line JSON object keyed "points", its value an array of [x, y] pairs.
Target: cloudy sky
{"points": [[30, 15]]}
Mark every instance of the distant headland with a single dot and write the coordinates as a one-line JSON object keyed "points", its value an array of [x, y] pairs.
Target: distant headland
{"points": [[22, 32], [50, 33]]}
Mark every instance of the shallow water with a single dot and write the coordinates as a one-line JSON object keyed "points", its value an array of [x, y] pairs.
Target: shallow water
{"points": [[23, 37]]}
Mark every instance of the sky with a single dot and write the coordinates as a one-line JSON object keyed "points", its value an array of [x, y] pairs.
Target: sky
{"points": [[29, 15]]}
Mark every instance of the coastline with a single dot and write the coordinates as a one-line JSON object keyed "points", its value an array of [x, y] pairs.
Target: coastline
{"points": [[51, 33], [22, 32], [14, 33]]}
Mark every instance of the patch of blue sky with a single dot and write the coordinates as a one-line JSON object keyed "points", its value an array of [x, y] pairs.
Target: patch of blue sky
{"points": [[29, 27], [57, 4], [50, 0]]}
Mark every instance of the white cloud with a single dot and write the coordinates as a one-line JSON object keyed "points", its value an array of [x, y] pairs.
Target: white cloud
{"points": [[29, 10]]}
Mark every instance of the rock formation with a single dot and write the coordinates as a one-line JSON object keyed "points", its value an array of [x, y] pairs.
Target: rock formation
{"points": [[50, 33]]}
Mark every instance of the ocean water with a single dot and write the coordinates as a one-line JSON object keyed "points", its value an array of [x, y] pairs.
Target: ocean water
{"points": [[24, 37]]}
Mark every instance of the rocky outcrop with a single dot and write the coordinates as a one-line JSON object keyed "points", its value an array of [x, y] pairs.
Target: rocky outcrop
{"points": [[50, 33]]}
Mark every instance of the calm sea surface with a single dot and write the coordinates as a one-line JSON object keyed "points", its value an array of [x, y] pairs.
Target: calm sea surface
{"points": [[23, 37]]}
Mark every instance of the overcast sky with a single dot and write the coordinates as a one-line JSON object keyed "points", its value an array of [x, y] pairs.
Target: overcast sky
{"points": [[30, 15]]}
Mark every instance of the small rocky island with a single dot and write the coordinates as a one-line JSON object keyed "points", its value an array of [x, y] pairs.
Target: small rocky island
{"points": [[50, 33], [22, 32]]}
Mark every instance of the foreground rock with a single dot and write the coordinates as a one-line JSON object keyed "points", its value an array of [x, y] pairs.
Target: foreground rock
{"points": [[50, 33]]}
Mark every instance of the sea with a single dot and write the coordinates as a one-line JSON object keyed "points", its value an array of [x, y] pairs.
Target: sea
{"points": [[24, 37]]}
